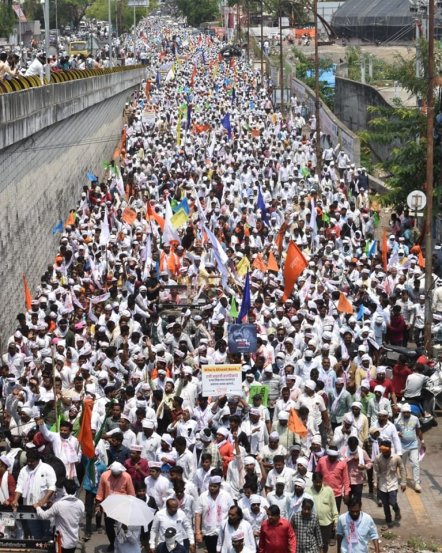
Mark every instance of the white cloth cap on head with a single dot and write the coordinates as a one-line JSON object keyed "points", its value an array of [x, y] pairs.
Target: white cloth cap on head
{"points": [[237, 536], [302, 461], [215, 480], [167, 438], [299, 482], [147, 423], [223, 431], [249, 460], [311, 384], [283, 416], [117, 467], [379, 388], [405, 408], [316, 440], [255, 498], [274, 436]]}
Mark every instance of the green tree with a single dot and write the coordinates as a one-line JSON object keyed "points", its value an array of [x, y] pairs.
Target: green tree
{"points": [[198, 12], [99, 10], [7, 19], [404, 130]]}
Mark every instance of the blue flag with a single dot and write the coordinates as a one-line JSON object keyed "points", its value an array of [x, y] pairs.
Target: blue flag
{"points": [[58, 227], [372, 250], [262, 206], [158, 80], [91, 177], [361, 312], [233, 96], [184, 205], [203, 58], [225, 122], [246, 301], [189, 116]]}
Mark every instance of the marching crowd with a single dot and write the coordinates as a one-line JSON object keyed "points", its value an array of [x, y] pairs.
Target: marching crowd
{"points": [[212, 212]]}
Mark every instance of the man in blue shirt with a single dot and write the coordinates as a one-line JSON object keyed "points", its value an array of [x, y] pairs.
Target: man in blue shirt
{"points": [[355, 530]]}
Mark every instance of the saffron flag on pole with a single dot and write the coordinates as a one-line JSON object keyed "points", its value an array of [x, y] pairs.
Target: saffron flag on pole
{"points": [[152, 214], [296, 425], [344, 304], [272, 264], [28, 297], [259, 263], [85, 436], [295, 264], [246, 300]]}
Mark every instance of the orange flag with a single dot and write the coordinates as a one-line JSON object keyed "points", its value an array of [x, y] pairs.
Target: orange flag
{"points": [[152, 214], [85, 434], [384, 250], [272, 264], [420, 259], [344, 305], [295, 264], [148, 88], [280, 236], [296, 425], [28, 297], [259, 263], [129, 215], [70, 220]]}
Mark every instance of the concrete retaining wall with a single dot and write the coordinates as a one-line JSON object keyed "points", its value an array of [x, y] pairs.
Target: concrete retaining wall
{"points": [[24, 113], [352, 100], [42, 175]]}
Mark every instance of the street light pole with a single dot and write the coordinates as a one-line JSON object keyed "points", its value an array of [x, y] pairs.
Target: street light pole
{"points": [[281, 58], [262, 42], [47, 66], [429, 179], [317, 93], [110, 32]]}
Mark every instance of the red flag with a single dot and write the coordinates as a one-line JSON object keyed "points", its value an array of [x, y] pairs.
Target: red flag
{"points": [[152, 214], [384, 250], [85, 434], [295, 264], [192, 78], [272, 264], [28, 297], [232, 63], [420, 259], [344, 305]]}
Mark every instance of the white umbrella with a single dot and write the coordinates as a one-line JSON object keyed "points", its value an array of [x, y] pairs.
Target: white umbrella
{"points": [[128, 510]]}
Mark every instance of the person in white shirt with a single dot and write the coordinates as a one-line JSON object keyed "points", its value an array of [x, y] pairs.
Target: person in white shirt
{"points": [[65, 446], [234, 523], [186, 459], [36, 484], [171, 517], [157, 485], [66, 513], [149, 439], [212, 513]]}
